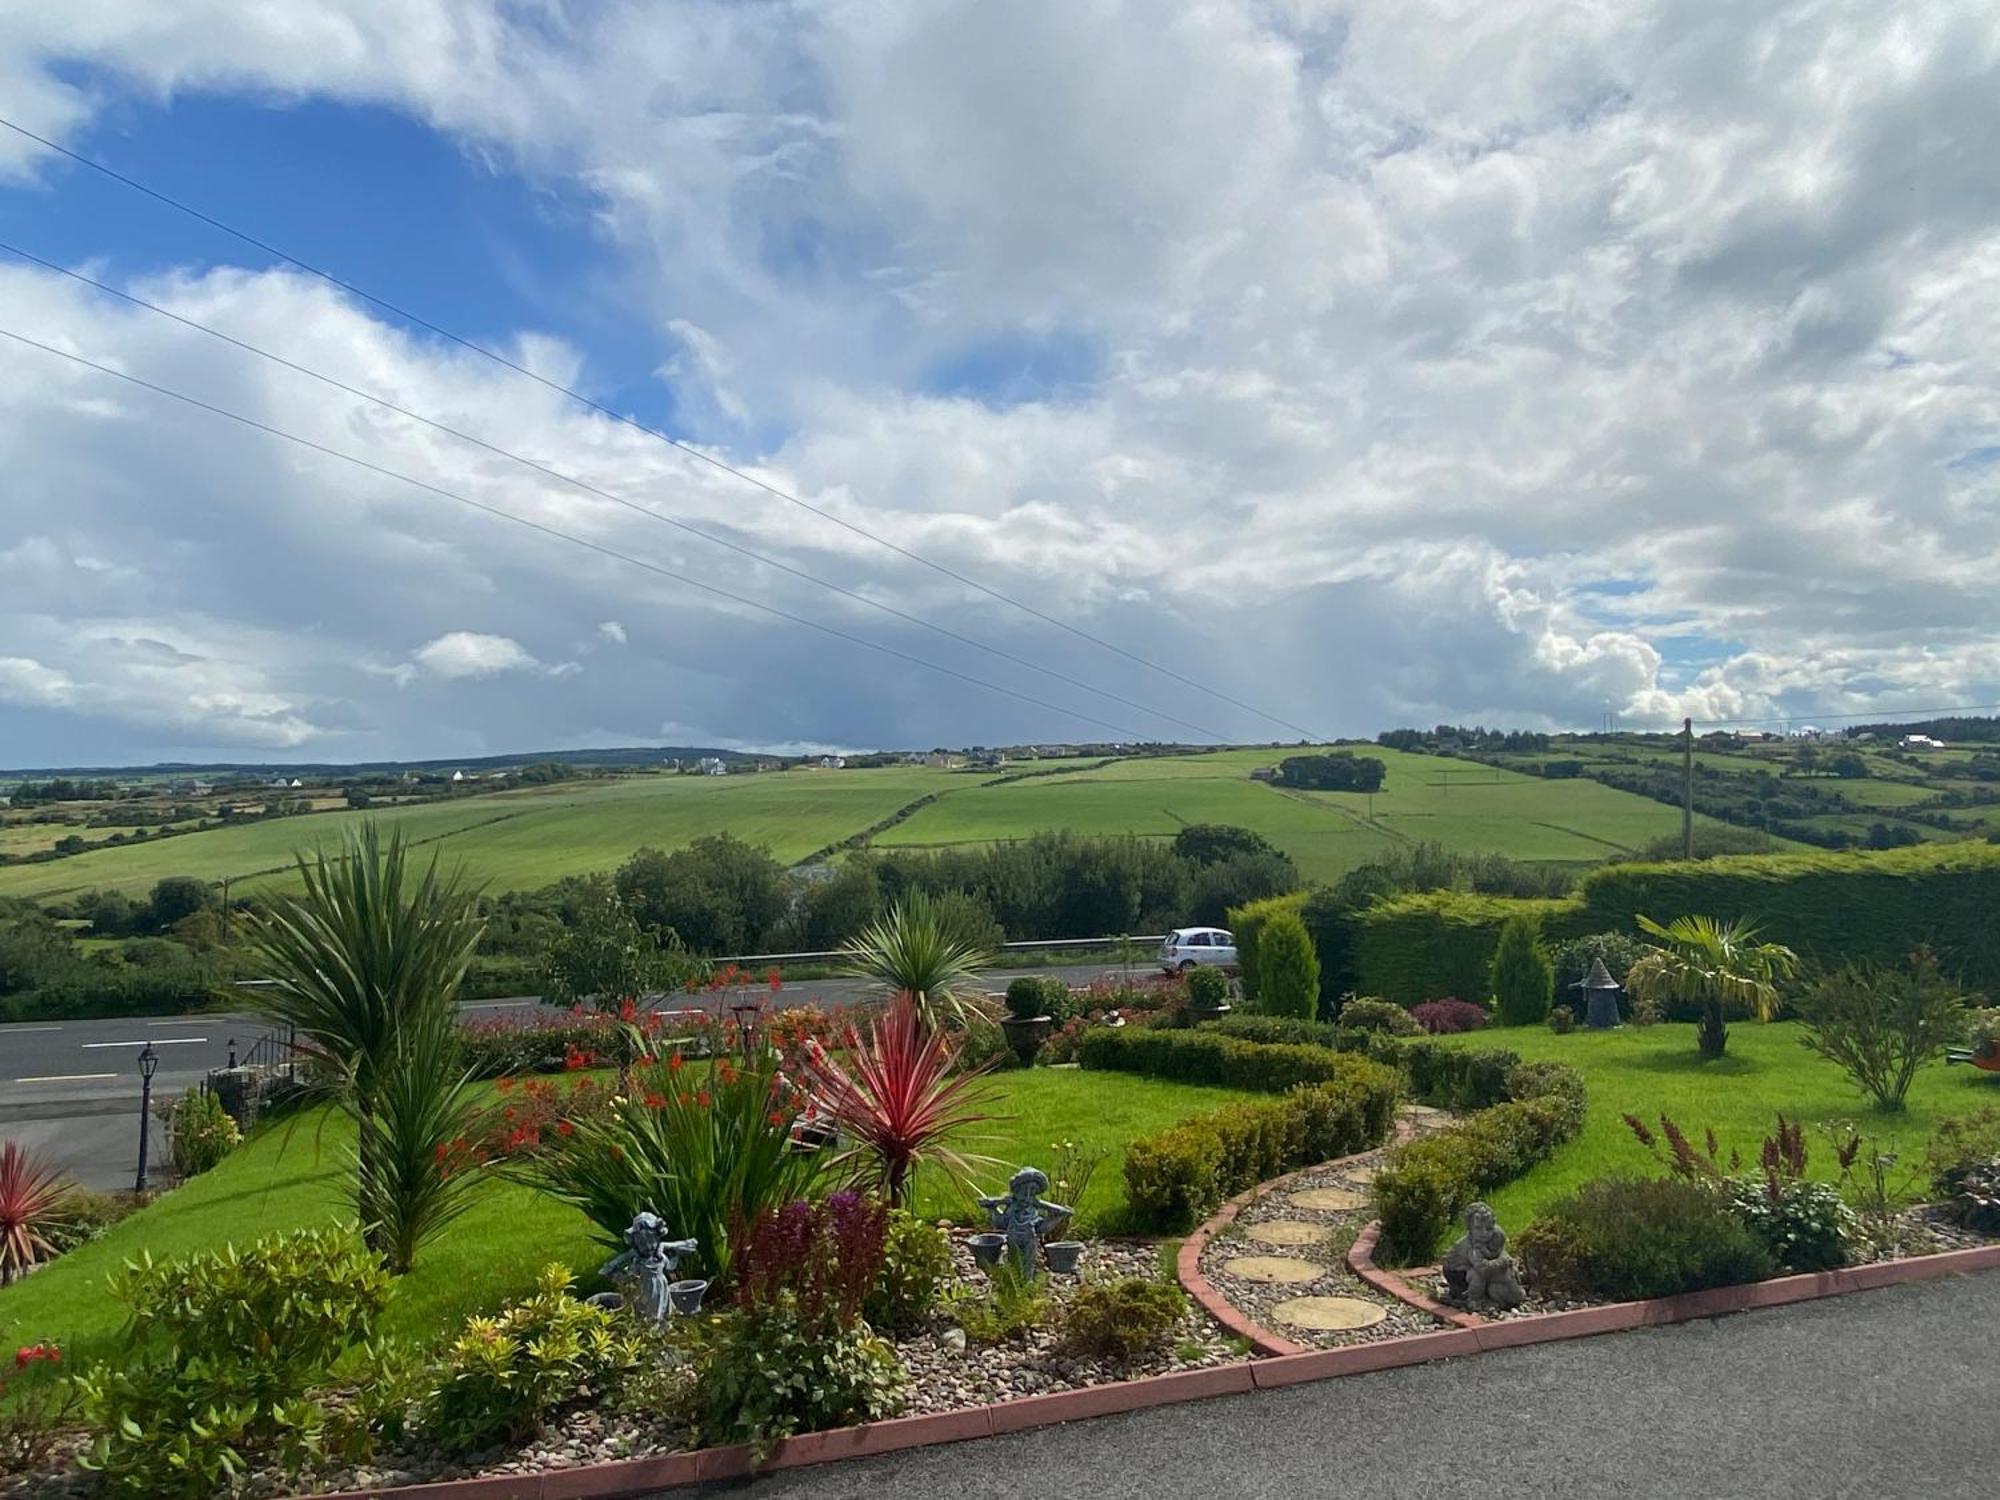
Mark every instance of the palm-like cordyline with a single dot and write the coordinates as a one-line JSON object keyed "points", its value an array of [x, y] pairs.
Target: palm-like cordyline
{"points": [[898, 1098], [412, 1168], [33, 1195], [914, 951], [364, 967], [1710, 963]]}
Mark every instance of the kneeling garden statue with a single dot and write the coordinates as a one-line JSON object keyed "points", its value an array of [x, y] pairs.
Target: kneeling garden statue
{"points": [[648, 1261], [1022, 1216], [1479, 1274]]}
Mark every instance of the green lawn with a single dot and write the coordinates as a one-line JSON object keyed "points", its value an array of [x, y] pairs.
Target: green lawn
{"points": [[1655, 1069], [293, 1175]]}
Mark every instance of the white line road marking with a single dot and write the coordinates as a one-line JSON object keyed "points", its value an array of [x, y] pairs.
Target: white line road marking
{"points": [[17, 1030], [69, 1078], [163, 1041]]}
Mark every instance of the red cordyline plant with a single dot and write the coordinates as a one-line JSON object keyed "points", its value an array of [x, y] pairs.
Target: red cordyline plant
{"points": [[898, 1099], [33, 1195]]}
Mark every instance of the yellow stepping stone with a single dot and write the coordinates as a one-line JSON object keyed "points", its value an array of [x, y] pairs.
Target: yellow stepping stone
{"points": [[1286, 1232], [1329, 1314], [1328, 1199], [1362, 1175], [1272, 1268]]}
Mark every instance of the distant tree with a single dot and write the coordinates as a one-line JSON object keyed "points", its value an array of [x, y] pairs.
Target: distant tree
{"points": [[1207, 843], [1522, 978], [1334, 771], [1561, 770], [33, 948], [718, 895], [605, 957], [176, 897], [1849, 765]]}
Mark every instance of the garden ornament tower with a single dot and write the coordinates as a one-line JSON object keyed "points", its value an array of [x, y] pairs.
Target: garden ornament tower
{"points": [[1600, 993]]}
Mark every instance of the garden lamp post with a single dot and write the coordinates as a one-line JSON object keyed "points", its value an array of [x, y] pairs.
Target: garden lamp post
{"points": [[149, 1062]]}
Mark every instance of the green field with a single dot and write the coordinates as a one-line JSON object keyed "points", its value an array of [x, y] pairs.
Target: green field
{"points": [[293, 1175], [525, 838], [1645, 1071]]}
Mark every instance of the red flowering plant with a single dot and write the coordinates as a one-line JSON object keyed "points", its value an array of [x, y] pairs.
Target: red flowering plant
{"points": [[898, 1100], [36, 1406], [705, 1145]]}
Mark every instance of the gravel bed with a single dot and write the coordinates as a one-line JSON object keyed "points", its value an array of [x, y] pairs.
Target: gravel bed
{"points": [[1329, 1253]]}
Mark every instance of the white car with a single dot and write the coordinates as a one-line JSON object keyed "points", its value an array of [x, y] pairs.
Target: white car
{"points": [[1185, 947]]}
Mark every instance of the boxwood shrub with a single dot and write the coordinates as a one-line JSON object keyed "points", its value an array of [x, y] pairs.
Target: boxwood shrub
{"points": [[1201, 1056], [1178, 1176], [1441, 1074], [1424, 1187]]}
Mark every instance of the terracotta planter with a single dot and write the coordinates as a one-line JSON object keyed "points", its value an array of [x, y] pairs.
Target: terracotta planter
{"points": [[1025, 1034]]}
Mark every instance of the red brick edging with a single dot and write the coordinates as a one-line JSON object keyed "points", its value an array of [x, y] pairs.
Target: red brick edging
{"points": [[641, 1476]]}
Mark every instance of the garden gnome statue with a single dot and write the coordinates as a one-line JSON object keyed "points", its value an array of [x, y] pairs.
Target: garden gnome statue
{"points": [[1478, 1272], [1021, 1216], [649, 1259]]}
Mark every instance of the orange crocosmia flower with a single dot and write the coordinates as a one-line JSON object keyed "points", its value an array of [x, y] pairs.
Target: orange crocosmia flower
{"points": [[702, 1099], [563, 1127], [675, 1063], [656, 1101]]}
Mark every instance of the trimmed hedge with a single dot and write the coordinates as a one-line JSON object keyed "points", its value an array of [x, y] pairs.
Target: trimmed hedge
{"points": [[1831, 907], [1179, 1176], [1202, 1056], [1423, 1189], [1440, 1074]]}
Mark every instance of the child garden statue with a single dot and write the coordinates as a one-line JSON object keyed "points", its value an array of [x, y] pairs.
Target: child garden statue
{"points": [[649, 1260], [1478, 1272], [1022, 1215]]}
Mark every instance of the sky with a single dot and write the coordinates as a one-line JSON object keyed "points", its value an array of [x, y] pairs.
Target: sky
{"points": [[1235, 370]]}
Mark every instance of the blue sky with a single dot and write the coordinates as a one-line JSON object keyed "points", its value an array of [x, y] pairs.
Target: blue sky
{"points": [[1366, 362]]}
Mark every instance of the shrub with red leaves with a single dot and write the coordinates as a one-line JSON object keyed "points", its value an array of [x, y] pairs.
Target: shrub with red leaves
{"points": [[826, 1255], [1444, 1017], [33, 1195]]}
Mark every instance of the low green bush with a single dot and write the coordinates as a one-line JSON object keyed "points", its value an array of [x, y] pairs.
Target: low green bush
{"points": [[916, 1262], [1007, 1306], [771, 1372], [1449, 1077], [1962, 1144], [1562, 1020], [1364, 1013], [1626, 1238], [1178, 1176], [223, 1352], [1425, 1186], [200, 1133], [1805, 1225], [1123, 1319], [504, 1377]]}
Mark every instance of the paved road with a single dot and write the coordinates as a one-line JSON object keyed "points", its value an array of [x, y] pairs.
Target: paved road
{"points": [[72, 1088], [1877, 1396]]}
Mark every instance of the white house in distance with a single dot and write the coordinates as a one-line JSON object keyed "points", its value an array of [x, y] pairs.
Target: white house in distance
{"points": [[1919, 742], [833, 763], [711, 765]]}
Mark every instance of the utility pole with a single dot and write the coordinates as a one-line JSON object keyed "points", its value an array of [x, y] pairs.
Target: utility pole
{"points": [[1687, 788]]}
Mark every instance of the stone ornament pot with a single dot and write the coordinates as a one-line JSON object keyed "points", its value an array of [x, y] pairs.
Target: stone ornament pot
{"points": [[1200, 1013], [987, 1249], [1063, 1255], [686, 1296], [1025, 1034]]}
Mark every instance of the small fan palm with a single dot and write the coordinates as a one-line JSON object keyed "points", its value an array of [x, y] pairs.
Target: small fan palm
{"points": [[33, 1197], [1710, 963], [916, 951]]}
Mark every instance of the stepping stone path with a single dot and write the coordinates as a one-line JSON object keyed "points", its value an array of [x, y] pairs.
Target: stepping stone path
{"points": [[1328, 1199], [1286, 1232], [1329, 1314], [1272, 1268], [1362, 1175]]}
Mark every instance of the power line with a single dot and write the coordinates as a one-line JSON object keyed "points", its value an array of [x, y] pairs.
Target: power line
{"points": [[586, 487], [686, 448], [612, 552]]}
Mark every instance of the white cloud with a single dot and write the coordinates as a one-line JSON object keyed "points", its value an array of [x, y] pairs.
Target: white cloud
{"points": [[27, 683], [1424, 360], [466, 653]]}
